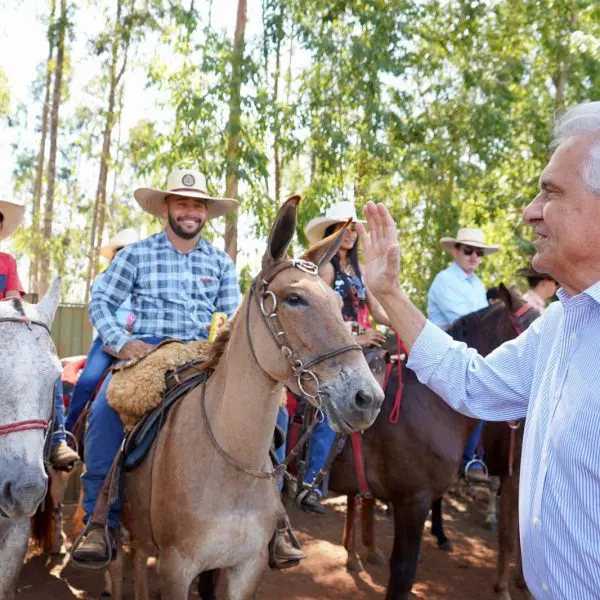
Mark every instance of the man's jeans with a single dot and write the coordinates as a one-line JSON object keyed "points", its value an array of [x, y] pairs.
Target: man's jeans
{"points": [[103, 437], [59, 414], [96, 364], [320, 444], [472, 444]]}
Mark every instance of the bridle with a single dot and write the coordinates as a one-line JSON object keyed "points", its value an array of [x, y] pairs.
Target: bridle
{"points": [[31, 424], [519, 318], [301, 371]]}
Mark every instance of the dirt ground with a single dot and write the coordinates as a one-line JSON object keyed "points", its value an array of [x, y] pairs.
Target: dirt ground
{"points": [[465, 573]]}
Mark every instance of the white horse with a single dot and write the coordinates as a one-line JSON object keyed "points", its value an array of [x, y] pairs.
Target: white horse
{"points": [[29, 369]]}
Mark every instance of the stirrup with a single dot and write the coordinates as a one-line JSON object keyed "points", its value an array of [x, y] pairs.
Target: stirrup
{"points": [[470, 464], [111, 544], [302, 494]]}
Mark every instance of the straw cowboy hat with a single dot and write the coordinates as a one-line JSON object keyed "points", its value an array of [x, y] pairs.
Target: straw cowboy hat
{"points": [[13, 215], [186, 184], [469, 237], [120, 240], [336, 213]]}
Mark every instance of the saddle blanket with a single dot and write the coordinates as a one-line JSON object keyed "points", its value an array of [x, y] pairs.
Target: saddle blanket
{"points": [[138, 385]]}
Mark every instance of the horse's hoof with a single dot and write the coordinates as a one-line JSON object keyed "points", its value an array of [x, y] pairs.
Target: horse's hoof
{"points": [[354, 565], [376, 558], [491, 526], [446, 545]]}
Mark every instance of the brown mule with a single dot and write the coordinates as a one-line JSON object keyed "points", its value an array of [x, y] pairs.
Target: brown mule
{"points": [[193, 501]]}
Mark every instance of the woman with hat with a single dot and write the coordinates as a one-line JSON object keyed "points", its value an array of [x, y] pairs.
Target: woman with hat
{"points": [[344, 275], [97, 360], [541, 288]]}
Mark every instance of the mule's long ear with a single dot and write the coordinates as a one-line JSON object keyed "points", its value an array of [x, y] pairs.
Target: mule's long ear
{"points": [[282, 232], [322, 252], [512, 300], [47, 306]]}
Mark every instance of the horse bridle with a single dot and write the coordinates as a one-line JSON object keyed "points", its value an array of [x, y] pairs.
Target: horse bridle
{"points": [[518, 318], [30, 424], [301, 370]]}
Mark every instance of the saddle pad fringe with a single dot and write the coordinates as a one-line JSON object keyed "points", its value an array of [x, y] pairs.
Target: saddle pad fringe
{"points": [[138, 387]]}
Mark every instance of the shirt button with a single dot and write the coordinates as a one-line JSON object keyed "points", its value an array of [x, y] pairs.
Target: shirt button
{"points": [[545, 587], [536, 521], [544, 456], [573, 337]]}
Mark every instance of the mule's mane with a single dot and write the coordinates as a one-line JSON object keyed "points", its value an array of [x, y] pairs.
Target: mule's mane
{"points": [[219, 346], [464, 328]]}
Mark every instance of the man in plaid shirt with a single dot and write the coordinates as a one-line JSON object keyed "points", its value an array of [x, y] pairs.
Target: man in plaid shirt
{"points": [[176, 281]]}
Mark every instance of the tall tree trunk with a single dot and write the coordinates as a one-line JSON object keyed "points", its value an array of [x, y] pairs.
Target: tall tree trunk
{"points": [[44, 272], [231, 181], [99, 215], [39, 175], [274, 104]]}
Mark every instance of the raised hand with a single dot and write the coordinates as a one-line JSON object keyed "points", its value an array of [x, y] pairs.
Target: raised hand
{"points": [[381, 250]]}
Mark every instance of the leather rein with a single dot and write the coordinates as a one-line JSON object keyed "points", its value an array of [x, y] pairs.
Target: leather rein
{"points": [[30, 424], [301, 371]]}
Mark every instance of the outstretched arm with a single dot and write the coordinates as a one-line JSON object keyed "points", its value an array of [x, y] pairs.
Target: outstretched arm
{"points": [[382, 272], [494, 388]]}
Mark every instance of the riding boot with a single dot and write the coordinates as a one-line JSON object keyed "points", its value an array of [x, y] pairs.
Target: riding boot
{"points": [[62, 457], [283, 553], [94, 548]]}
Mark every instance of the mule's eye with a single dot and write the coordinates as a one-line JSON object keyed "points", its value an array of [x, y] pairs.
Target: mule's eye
{"points": [[295, 300]]}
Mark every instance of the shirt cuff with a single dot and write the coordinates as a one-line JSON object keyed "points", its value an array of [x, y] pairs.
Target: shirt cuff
{"points": [[120, 343], [428, 351]]}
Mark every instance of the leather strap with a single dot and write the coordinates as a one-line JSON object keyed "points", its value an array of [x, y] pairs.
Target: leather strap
{"points": [[359, 463]]}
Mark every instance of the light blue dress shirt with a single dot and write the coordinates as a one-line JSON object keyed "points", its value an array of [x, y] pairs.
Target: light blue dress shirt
{"points": [[454, 294], [550, 375]]}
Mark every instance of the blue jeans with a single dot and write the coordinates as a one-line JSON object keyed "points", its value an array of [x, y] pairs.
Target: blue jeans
{"points": [[96, 364], [472, 444], [283, 420], [103, 437], [320, 444], [59, 414]]}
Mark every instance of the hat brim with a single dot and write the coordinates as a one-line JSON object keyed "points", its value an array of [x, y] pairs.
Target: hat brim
{"points": [[449, 243], [13, 215], [530, 272], [315, 230], [153, 201]]}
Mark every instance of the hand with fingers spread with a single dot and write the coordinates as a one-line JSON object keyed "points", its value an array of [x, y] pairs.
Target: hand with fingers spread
{"points": [[381, 250]]}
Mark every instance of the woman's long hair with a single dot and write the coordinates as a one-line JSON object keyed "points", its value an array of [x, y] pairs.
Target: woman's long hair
{"points": [[352, 254]]}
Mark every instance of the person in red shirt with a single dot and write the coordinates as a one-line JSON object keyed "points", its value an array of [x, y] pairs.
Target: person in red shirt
{"points": [[11, 215]]}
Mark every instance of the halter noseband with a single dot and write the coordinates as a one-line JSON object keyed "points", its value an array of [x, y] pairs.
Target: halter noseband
{"points": [[29, 424], [301, 370]]}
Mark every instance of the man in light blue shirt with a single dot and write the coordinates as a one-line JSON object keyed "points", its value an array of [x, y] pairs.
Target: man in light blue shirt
{"points": [[549, 374], [457, 291], [454, 293]]}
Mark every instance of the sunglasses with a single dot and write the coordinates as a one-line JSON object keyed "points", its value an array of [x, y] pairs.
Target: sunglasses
{"points": [[468, 251]]}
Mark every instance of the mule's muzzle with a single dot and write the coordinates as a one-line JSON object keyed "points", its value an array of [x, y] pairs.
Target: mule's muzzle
{"points": [[22, 492], [352, 401]]}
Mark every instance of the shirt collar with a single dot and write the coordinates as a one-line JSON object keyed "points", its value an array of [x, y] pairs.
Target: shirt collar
{"points": [[163, 241], [458, 272], [593, 292]]}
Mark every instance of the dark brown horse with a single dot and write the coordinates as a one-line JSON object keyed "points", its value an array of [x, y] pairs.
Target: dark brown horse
{"points": [[502, 444], [413, 463]]}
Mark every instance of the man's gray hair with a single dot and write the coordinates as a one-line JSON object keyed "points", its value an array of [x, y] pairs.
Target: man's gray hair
{"points": [[581, 120]]}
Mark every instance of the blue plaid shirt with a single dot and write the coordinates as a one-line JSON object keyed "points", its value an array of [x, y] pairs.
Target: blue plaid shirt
{"points": [[173, 295]]}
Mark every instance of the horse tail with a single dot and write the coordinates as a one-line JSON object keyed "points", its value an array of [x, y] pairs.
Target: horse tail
{"points": [[43, 523]]}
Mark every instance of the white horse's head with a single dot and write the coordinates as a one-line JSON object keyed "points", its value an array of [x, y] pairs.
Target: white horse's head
{"points": [[29, 368]]}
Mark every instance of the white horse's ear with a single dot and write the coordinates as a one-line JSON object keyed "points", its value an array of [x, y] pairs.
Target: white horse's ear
{"points": [[47, 306]]}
